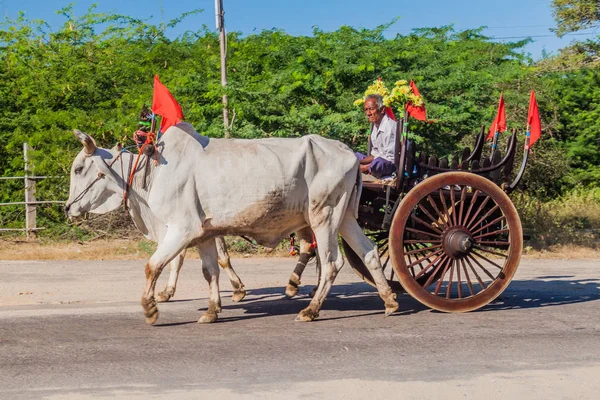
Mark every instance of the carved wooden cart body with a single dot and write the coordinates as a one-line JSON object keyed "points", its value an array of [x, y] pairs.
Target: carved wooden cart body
{"points": [[447, 232]]}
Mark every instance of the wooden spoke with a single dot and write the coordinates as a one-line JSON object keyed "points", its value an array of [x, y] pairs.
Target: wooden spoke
{"points": [[435, 271], [463, 196], [481, 206], [411, 270], [421, 250], [490, 251], [430, 264], [449, 286], [469, 284], [480, 266], [445, 206], [500, 218], [413, 241], [492, 233], [484, 217], [494, 243], [426, 258], [459, 280], [472, 203], [419, 220], [431, 217], [475, 272], [421, 232], [437, 210], [488, 260], [447, 263], [453, 205]]}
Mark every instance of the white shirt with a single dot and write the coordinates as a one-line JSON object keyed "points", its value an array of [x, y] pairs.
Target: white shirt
{"points": [[383, 139]]}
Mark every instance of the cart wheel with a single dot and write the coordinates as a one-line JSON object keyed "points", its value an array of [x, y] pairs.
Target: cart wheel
{"points": [[381, 238], [462, 232]]}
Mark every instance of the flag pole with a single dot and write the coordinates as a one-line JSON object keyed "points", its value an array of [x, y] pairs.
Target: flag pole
{"points": [[220, 19]]}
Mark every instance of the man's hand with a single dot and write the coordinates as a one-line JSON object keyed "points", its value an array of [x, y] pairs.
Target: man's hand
{"points": [[364, 168]]}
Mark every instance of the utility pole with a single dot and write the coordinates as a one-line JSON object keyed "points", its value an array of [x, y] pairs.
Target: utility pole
{"points": [[220, 19]]}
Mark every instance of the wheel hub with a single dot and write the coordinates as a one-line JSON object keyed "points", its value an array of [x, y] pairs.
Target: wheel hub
{"points": [[457, 242]]}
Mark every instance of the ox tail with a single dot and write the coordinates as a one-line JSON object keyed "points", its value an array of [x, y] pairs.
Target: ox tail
{"points": [[356, 192]]}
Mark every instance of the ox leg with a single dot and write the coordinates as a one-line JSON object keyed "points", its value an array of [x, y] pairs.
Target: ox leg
{"points": [[367, 251], [331, 262], [169, 291], [210, 270], [306, 253], [172, 245], [239, 291]]}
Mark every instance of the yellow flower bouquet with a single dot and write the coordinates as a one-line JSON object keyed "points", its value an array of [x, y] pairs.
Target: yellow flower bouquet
{"points": [[400, 94]]}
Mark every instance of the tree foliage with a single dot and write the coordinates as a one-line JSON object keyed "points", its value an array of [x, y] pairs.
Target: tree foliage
{"points": [[573, 15]]}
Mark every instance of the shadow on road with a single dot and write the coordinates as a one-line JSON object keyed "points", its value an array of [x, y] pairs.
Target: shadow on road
{"points": [[546, 291]]}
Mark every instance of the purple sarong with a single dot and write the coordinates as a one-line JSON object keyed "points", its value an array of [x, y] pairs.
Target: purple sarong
{"points": [[379, 167]]}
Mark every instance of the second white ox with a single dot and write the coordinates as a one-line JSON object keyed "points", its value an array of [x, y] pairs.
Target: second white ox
{"points": [[205, 188]]}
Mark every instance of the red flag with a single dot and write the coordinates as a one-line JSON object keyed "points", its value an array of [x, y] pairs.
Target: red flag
{"points": [[390, 113], [534, 125], [414, 111], [499, 123], [165, 105]]}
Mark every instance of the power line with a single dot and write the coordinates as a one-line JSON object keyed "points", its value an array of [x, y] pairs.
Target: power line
{"points": [[540, 36]]}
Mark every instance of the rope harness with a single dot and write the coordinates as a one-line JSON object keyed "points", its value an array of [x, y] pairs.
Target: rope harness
{"points": [[101, 175]]}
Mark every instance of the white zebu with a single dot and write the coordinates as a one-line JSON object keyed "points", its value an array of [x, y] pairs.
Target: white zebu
{"points": [[207, 188]]}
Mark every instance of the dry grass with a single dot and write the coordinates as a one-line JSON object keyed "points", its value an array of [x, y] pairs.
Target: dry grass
{"points": [[569, 252], [141, 250], [99, 250], [96, 250]]}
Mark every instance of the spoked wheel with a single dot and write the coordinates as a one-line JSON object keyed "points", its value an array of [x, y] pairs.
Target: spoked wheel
{"points": [[463, 233]]}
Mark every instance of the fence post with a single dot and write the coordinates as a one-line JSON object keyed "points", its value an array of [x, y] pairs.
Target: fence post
{"points": [[30, 209]]}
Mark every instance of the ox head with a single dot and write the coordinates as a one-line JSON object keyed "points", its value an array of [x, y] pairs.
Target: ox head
{"points": [[94, 186]]}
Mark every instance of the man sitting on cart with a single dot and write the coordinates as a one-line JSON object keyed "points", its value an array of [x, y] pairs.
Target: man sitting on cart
{"points": [[380, 161]]}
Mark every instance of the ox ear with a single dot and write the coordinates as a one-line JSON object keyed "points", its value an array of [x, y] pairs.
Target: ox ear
{"points": [[118, 147], [86, 140]]}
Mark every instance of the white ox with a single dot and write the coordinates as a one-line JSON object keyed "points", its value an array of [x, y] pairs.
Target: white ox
{"points": [[205, 188]]}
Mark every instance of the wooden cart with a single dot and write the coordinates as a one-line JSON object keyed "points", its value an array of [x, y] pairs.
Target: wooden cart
{"points": [[447, 231]]}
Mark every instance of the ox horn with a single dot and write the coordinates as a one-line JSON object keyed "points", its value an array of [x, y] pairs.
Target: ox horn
{"points": [[86, 140]]}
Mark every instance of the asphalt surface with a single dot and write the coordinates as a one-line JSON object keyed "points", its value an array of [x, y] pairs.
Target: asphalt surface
{"points": [[74, 329]]}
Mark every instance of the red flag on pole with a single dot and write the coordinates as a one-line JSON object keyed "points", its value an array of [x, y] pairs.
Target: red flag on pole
{"points": [[165, 105], [534, 125], [390, 113], [414, 111], [499, 123]]}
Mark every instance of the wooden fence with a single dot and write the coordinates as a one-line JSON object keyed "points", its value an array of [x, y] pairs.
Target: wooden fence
{"points": [[30, 202]]}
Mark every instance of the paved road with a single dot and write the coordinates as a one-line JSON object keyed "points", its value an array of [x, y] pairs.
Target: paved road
{"points": [[74, 329]]}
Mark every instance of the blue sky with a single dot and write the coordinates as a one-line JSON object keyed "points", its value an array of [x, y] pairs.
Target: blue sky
{"points": [[507, 20]]}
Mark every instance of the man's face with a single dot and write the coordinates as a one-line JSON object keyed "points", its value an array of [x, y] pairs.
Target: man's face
{"points": [[371, 111]]}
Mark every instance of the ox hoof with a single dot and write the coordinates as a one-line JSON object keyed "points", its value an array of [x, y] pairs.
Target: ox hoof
{"points": [[152, 319], [238, 295], [208, 318], [390, 310], [306, 316], [291, 291], [391, 305], [164, 296], [150, 310]]}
